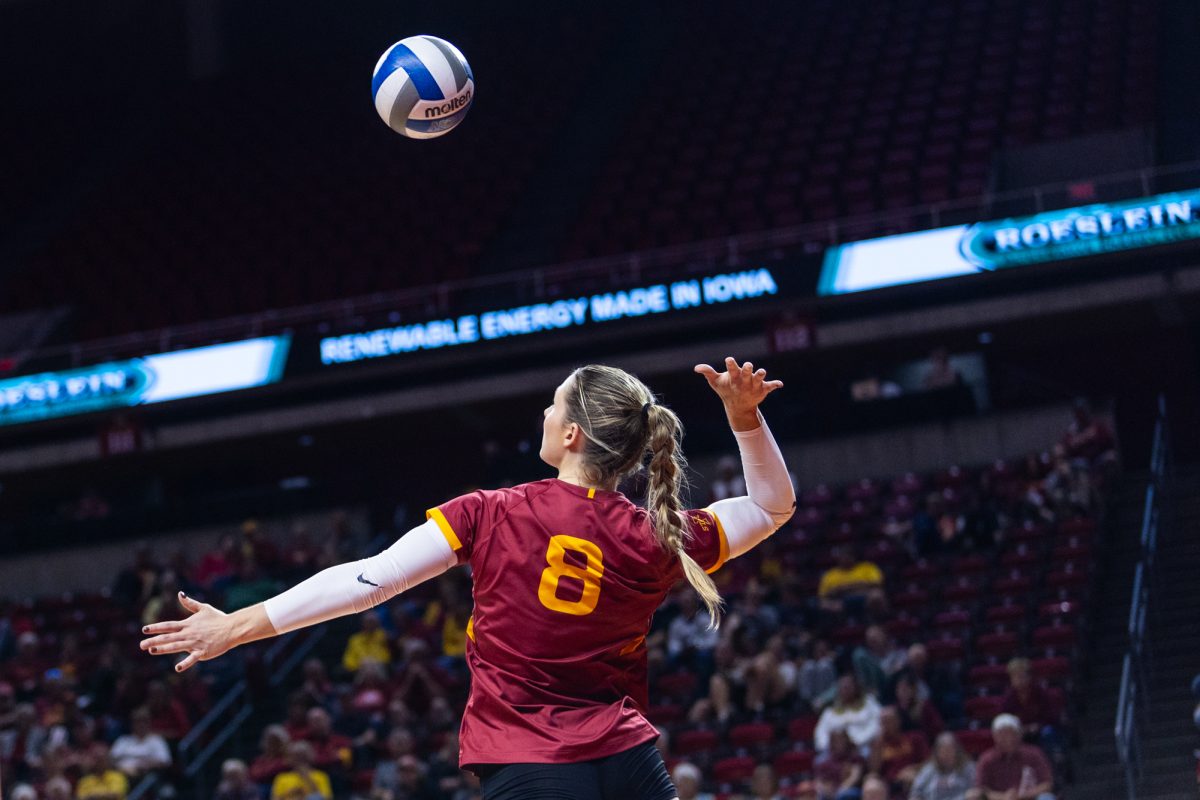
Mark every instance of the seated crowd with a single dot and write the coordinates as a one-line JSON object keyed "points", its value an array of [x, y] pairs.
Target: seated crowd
{"points": [[83, 713], [912, 638]]}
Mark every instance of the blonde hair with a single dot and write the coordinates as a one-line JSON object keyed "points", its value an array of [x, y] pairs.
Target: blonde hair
{"points": [[623, 425]]}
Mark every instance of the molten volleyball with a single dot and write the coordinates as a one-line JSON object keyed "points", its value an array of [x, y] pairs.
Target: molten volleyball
{"points": [[422, 87]]}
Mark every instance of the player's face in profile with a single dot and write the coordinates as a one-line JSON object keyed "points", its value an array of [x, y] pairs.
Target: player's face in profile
{"points": [[552, 429]]}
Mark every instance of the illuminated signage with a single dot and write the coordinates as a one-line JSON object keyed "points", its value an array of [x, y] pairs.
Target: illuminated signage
{"points": [[142, 381], [570, 313], [990, 246]]}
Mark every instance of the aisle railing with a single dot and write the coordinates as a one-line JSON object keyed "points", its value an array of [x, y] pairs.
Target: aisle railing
{"points": [[1138, 665]]}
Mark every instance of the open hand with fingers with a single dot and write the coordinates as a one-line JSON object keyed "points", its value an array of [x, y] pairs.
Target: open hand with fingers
{"points": [[205, 634], [741, 389]]}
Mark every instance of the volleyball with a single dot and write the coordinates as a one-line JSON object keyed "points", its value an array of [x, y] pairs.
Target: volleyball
{"points": [[422, 87]]}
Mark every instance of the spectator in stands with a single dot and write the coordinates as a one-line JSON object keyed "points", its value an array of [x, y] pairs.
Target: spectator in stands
{"points": [[23, 791], [165, 600], [442, 772], [690, 638], [770, 677], [729, 481], [135, 584], [370, 692], [100, 781], [764, 785], [876, 660], [875, 788], [331, 751], [940, 374], [1088, 439], [409, 782], [727, 681], [57, 789], [817, 680], [317, 689], [1038, 709], [25, 669], [1012, 769], [140, 751], [23, 744], [916, 714], [1068, 488], [296, 722], [217, 567], [272, 758], [898, 754], [948, 775], [840, 768], [370, 643], [935, 528], [235, 782], [852, 712], [167, 716], [454, 635], [687, 782], [1029, 702], [251, 587], [850, 585], [940, 683], [302, 781]]}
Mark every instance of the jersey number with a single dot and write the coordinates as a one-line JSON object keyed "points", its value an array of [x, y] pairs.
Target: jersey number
{"points": [[557, 568]]}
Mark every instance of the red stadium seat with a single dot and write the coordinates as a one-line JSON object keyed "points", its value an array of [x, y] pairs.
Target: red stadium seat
{"points": [[1005, 613], [946, 649], [953, 621], [664, 715], [1055, 670], [733, 770], [793, 763], [751, 734], [679, 686], [999, 646], [1064, 610], [1060, 637], [975, 742], [983, 709], [988, 678], [691, 742], [800, 730]]}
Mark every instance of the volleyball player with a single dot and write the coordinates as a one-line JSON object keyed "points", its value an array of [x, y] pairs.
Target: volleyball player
{"points": [[567, 574]]}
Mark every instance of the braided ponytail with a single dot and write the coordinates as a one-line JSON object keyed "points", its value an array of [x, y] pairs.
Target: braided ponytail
{"points": [[666, 472], [623, 424]]}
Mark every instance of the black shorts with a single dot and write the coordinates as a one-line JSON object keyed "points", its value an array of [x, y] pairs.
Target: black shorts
{"points": [[634, 774]]}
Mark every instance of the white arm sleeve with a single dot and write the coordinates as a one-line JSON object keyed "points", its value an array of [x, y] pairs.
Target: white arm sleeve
{"points": [[417, 556], [771, 501]]}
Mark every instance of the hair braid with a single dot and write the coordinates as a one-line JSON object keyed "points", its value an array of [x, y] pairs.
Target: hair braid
{"points": [[666, 470]]}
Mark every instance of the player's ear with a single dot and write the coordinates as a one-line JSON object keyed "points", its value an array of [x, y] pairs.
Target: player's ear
{"points": [[572, 436]]}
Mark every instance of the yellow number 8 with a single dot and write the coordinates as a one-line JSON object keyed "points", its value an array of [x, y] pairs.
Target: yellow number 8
{"points": [[558, 569]]}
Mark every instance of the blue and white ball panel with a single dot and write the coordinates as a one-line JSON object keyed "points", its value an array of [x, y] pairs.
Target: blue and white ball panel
{"points": [[422, 87]]}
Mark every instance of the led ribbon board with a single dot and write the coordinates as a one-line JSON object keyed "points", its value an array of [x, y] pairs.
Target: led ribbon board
{"points": [[142, 381], [990, 246], [664, 298]]}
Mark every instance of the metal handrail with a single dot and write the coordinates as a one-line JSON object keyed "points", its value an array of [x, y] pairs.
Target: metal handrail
{"points": [[539, 282], [1135, 674]]}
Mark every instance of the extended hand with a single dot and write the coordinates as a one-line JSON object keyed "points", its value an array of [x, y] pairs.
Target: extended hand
{"points": [[741, 389], [204, 635]]}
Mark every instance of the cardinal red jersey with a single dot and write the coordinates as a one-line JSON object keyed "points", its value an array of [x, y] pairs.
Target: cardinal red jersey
{"points": [[566, 580]]}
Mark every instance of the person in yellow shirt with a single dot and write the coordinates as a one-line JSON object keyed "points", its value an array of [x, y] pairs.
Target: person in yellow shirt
{"points": [[371, 643], [850, 584], [101, 781], [302, 781]]}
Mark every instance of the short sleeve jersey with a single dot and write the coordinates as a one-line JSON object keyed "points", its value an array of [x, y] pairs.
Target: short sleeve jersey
{"points": [[566, 581]]}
